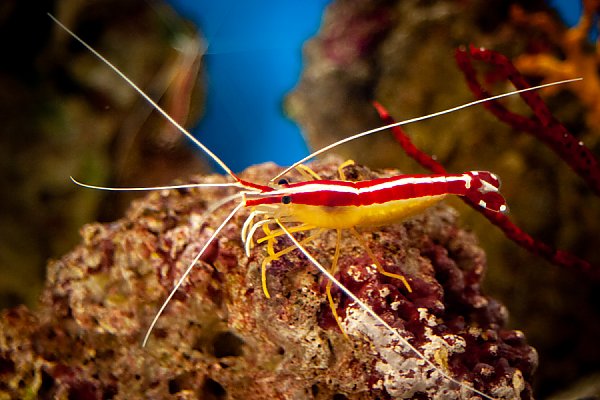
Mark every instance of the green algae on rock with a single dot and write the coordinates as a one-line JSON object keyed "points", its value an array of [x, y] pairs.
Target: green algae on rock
{"points": [[221, 338]]}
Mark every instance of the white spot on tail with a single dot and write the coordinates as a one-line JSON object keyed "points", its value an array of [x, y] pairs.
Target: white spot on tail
{"points": [[487, 187], [467, 178]]}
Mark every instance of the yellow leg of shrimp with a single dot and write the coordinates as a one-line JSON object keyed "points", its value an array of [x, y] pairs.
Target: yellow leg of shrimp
{"points": [[272, 255], [377, 264], [269, 234], [343, 165], [270, 242], [333, 270], [307, 172], [270, 238]]}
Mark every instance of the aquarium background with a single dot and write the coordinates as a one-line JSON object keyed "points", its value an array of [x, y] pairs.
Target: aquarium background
{"points": [[253, 59], [65, 113]]}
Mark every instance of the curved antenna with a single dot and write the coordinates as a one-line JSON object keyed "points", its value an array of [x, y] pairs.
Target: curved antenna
{"points": [[187, 272], [373, 314], [416, 119], [148, 99], [150, 188]]}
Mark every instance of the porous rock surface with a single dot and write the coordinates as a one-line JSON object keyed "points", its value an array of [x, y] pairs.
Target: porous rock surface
{"points": [[220, 338]]}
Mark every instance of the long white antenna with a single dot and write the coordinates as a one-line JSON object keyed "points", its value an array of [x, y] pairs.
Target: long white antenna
{"points": [[373, 314], [416, 119], [187, 272], [147, 98], [149, 188]]}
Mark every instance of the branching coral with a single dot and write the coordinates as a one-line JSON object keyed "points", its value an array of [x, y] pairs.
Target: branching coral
{"points": [[577, 59], [541, 125]]}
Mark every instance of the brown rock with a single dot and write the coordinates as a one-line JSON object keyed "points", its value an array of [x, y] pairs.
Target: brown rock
{"points": [[221, 338]]}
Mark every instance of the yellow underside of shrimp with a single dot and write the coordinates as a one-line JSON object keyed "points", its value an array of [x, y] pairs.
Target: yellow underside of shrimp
{"points": [[346, 217]]}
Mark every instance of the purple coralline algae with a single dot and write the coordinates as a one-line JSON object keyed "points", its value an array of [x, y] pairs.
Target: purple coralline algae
{"points": [[221, 338]]}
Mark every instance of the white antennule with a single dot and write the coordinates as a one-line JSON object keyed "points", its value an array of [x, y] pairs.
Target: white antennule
{"points": [[238, 184], [373, 314], [417, 119], [147, 98], [187, 272], [149, 188]]}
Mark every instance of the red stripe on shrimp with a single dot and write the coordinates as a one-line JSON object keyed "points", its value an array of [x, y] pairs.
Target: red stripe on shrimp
{"points": [[481, 187]]}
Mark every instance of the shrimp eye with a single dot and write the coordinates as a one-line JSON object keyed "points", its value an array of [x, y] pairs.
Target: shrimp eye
{"points": [[286, 199], [282, 182]]}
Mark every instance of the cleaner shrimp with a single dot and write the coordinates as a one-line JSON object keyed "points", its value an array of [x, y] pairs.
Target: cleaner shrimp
{"points": [[318, 204]]}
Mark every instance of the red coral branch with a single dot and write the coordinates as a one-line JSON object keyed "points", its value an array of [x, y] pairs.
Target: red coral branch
{"points": [[511, 231], [409, 148], [541, 124]]}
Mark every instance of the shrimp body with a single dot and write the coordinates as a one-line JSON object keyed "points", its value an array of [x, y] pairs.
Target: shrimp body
{"points": [[377, 202]]}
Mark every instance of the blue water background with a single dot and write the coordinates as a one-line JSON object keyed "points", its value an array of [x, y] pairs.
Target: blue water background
{"points": [[254, 58], [570, 10]]}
